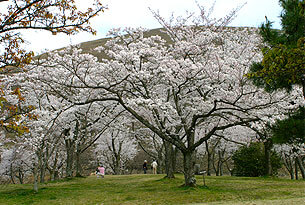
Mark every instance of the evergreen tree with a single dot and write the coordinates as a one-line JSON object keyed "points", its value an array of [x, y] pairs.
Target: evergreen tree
{"points": [[283, 64], [291, 130]]}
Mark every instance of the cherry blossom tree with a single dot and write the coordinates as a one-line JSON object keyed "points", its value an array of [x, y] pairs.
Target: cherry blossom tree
{"points": [[58, 125], [55, 16], [15, 164], [195, 80]]}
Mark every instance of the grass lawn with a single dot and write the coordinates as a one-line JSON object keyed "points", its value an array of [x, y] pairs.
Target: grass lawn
{"points": [[153, 189]]}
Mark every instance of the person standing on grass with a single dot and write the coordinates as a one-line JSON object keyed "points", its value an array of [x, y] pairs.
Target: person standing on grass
{"points": [[145, 166], [100, 171], [154, 166]]}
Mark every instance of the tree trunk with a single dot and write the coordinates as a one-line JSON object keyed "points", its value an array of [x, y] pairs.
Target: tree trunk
{"points": [[69, 161], [12, 173], [188, 164], [20, 175], [52, 169], [43, 172], [267, 148], [209, 159], [288, 165], [77, 162], [300, 164], [228, 168], [213, 164], [35, 173], [296, 168], [220, 161], [169, 160], [117, 165], [161, 160]]}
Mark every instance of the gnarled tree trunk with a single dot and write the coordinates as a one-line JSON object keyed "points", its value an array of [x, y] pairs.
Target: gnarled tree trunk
{"points": [[188, 165], [169, 160]]}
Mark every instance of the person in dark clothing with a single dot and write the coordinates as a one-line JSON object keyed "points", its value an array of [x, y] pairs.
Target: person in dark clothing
{"points": [[145, 166]]}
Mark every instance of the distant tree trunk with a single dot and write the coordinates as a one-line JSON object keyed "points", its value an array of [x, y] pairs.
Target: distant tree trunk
{"points": [[69, 161], [53, 168], [42, 174], [300, 164], [20, 175], [288, 164], [44, 163], [169, 160], [188, 165], [161, 160], [176, 151], [57, 171], [78, 163], [35, 173], [267, 147], [215, 167], [116, 159], [209, 159], [221, 161], [12, 173], [117, 165], [296, 168], [228, 168]]}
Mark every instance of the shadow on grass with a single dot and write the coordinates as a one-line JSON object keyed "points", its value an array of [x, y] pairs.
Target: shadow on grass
{"points": [[26, 196], [18, 192], [68, 179], [166, 179]]}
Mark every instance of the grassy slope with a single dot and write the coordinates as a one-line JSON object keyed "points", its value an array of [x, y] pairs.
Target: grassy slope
{"points": [[153, 189]]}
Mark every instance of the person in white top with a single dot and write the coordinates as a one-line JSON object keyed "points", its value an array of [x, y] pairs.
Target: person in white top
{"points": [[154, 165]]}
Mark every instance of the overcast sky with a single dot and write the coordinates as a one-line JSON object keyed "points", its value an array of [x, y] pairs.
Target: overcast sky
{"points": [[135, 13]]}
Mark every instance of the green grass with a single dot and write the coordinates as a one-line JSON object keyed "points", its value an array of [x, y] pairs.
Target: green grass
{"points": [[153, 189]]}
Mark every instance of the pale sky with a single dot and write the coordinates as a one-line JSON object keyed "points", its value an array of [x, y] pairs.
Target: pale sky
{"points": [[135, 13]]}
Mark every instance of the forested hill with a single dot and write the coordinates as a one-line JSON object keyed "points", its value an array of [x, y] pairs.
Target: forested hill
{"points": [[89, 46]]}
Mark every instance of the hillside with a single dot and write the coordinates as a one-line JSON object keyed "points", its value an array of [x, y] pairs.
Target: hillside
{"points": [[89, 46]]}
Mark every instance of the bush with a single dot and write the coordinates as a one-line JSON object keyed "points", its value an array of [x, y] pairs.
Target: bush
{"points": [[250, 161]]}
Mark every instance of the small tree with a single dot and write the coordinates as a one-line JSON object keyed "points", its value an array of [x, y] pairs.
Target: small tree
{"points": [[250, 161]]}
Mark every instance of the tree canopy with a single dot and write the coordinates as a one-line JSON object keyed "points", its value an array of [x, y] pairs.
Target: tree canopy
{"points": [[55, 16], [283, 64]]}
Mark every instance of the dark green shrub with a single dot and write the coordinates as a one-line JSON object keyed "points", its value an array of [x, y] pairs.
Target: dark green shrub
{"points": [[250, 161]]}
